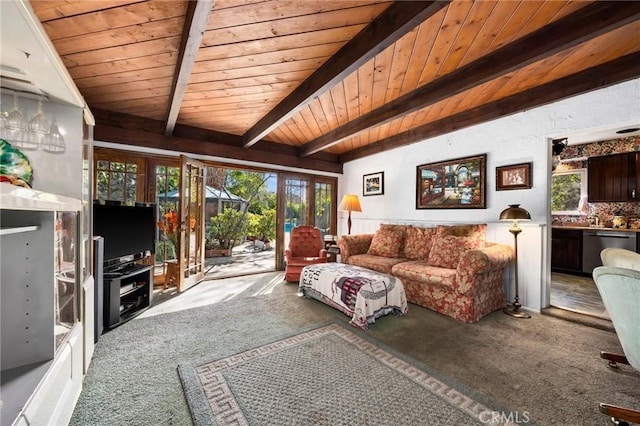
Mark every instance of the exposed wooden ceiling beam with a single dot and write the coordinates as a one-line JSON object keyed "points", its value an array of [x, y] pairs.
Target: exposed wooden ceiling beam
{"points": [[616, 71], [587, 23], [131, 130], [396, 21], [265, 147], [126, 121], [195, 24], [133, 122]]}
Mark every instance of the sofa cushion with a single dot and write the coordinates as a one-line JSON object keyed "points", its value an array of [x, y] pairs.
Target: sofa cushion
{"points": [[386, 242], [354, 244], [477, 231], [377, 263], [448, 249], [421, 271], [418, 241], [397, 227]]}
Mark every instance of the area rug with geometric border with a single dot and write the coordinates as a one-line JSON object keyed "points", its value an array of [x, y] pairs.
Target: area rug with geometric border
{"points": [[328, 375]]}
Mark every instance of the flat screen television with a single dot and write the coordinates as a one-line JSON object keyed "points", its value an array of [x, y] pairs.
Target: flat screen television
{"points": [[127, 230]]}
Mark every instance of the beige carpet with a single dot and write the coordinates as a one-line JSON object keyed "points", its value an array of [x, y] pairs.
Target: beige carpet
{"points": [[327, 376], [546, 367]]}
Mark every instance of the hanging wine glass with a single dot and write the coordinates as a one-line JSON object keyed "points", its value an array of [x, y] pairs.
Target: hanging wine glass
{"points": [[39, 123], [53, 142], [3, 125], [15, 131], [15, 119], [24, 139]]}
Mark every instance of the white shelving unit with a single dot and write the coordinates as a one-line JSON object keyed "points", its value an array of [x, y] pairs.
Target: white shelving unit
{"points": [[43, 365], [27, 290], [18, 230], [33, 355]]}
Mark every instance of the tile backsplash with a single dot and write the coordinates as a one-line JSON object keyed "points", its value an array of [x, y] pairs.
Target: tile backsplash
{"points": [[604, 211]]}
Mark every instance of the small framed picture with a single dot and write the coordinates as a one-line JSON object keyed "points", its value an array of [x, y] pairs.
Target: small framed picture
{"points": [[373, 184], [515, 176]]}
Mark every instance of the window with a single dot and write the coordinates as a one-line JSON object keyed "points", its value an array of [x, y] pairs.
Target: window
{"points": [[567, 188], [324, 203], [296, 202], [119, 179], [167, 188]]}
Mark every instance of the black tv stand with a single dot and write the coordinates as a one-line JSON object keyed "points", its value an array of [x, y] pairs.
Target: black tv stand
{"points": [[128, 290]]}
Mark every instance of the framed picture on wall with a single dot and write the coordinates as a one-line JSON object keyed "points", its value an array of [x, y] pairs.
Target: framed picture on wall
{"points": [[452, 184], [515, 176], [373, 184]]}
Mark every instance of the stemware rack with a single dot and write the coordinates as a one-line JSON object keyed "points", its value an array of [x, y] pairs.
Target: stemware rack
{"points": [[38, 132]]}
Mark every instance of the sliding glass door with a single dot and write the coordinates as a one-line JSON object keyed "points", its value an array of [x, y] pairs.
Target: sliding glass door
{"points": [[292, 199], [325, 200], [296, 201], [304, 200]]}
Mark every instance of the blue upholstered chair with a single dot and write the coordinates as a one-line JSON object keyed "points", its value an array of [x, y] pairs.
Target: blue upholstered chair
{"points": [[620, 291]]}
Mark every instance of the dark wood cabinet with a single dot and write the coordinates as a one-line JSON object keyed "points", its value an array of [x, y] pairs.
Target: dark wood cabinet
{"points": [[566, 250], [614, 178]]}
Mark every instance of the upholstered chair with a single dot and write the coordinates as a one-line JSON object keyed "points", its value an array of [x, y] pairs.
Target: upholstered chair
{"points": [[621, 258], [305, 248], [620, 291]]}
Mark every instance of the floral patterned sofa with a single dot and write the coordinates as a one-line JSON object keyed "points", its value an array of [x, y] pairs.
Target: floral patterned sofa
{"points": [[452, 270]]}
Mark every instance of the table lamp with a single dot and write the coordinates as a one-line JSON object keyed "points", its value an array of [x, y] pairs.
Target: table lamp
{"points": [[515, 213], [350, 203]]}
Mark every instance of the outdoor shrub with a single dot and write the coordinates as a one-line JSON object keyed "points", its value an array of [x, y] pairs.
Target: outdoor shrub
{"points": [[228, 228]]}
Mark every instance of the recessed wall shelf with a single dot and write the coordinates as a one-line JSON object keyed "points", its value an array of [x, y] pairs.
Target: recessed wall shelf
{"points": [[18, 230]]}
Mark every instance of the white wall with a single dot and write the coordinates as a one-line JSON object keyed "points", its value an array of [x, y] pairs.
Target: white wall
{"points": [[519, 138]]}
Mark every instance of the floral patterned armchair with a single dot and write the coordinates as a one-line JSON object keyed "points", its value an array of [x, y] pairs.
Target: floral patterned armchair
{"points": [[305, 248]]}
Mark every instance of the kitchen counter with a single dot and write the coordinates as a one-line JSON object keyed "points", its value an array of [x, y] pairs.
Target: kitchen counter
{"points": [[578, 248], [594, 228]]}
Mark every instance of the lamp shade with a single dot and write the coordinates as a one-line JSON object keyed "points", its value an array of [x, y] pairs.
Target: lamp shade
{"points": [[515, 212], [350, 203]]}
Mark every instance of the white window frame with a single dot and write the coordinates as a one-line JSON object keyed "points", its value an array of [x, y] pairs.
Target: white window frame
{"points": [[583, 189]]}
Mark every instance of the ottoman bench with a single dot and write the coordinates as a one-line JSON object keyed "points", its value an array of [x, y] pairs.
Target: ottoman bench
{"points": [[361, 293]]}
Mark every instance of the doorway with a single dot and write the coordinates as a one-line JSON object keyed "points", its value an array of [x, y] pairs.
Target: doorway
{"points": [[571, 286], [241, 222], [305, 200], [268, 199]]}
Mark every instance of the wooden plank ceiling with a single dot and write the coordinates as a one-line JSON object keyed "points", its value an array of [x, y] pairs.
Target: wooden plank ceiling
{"points": [[313, 84]]}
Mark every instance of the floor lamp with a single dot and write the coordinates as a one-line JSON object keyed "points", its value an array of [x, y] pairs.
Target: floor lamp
{"points": [[350, 203], [515, 213]]}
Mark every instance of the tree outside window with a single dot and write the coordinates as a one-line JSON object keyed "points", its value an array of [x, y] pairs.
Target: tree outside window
{"points": [[567, 188]]}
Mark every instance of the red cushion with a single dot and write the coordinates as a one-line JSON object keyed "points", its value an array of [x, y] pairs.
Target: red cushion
{"points": [[397, 227], [418, 242], [447, 250], [386, 242]]}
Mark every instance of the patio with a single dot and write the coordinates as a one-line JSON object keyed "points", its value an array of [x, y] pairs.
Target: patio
{"points": [[243, 260]]}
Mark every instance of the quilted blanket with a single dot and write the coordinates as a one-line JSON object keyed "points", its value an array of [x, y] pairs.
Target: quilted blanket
{"points": [[361, 293]]}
